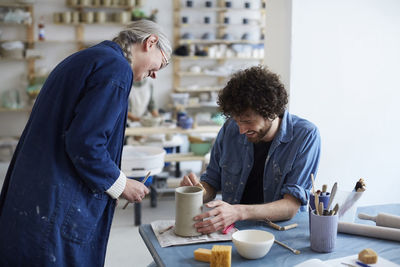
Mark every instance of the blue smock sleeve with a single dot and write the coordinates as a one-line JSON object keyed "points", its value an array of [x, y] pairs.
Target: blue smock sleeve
{"points": [[101, 109], [298, 181]]}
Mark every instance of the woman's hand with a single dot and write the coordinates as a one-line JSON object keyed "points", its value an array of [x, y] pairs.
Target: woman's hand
{"points": [[134, 191]]}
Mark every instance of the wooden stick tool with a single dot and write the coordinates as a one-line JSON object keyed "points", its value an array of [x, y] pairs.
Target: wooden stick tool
{"points": [[280, 228], [143, 182]]}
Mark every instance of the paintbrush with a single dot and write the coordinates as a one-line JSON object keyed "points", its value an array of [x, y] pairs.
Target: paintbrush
{"points": [[143, 182]]}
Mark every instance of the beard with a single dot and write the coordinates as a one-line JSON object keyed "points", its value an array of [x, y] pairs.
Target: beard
{"points": [[260, 134]]}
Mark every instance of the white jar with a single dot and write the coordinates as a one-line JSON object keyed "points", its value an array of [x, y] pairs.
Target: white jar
{"points": [[57, 17], [100, 17], [75, 17], [106, 2], [130, 3], [88, 17], [66, 17], [123, 17]]}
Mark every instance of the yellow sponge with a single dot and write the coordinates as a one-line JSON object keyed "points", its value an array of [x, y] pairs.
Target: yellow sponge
{"points": [[368, 256], [202, 254], [221, 256]]}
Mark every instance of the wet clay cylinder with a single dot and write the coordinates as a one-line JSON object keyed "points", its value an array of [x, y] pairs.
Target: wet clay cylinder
{"points": [[188, 204]]}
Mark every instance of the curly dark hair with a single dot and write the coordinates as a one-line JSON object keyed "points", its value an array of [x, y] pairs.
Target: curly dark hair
{"points": [[256, 89]]}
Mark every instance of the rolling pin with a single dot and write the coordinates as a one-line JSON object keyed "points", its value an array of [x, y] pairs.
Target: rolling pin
{"points": [[382, 219]]}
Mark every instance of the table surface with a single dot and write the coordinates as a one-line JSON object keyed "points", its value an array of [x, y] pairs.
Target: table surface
{"points": [[298, 238]]}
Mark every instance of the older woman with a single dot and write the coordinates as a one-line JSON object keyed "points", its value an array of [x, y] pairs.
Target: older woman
{"points": [[58, 198]]}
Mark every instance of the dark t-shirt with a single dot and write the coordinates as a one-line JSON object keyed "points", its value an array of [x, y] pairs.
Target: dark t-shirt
{"points": [[253, 192]]}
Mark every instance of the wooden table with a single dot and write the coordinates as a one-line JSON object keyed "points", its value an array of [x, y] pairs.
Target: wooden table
{"points": [[297, 238]]}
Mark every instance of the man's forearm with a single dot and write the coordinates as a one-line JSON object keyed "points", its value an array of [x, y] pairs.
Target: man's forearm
{"points": [[283, 209], [209, 193]]}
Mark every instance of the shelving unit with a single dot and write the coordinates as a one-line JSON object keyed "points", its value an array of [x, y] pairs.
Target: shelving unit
{"points": [[29, 41], [217, 27], [93, 14]]}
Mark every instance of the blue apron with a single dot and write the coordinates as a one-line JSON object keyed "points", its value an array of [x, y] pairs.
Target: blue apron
{"points": [[53, 207]]}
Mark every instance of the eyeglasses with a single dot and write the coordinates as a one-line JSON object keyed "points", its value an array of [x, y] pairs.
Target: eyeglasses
{"points": [[165, 61]]}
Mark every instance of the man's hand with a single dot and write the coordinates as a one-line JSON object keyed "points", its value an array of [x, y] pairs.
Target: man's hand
{"points": [[222, 215], [134, 191], [190, 180]]}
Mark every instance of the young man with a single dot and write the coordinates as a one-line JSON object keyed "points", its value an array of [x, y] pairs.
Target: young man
{"points": [[262, 158], [60, 191]]}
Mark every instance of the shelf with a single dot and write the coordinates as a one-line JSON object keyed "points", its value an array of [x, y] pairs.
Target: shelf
{"points": [[218, 25], [131, 131], [199, 89], [182, 157], [38, 42], [14, 24], [101, 7], [233, 50], [215, 58], [9, 110], [19, 59], [93, 23], [217, 9], [16, 5], [182, 73], [220, 41], [203, 105]]}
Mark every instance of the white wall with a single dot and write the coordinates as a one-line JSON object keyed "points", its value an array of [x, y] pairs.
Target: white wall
{"points": [[278, 38], [345, 78]]}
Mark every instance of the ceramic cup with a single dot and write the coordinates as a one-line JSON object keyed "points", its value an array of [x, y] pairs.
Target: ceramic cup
{"points": [[188, 204], [323, 232], [322, 198]]}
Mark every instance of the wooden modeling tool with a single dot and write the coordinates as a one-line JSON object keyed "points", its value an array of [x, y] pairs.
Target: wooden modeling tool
{"points": [[321, 208], [280, 228], [316, 203], [332, 195], [295, 251], [335, 209]]}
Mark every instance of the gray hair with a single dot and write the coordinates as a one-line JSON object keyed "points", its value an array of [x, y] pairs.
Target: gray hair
{"points": [[138, 32]]}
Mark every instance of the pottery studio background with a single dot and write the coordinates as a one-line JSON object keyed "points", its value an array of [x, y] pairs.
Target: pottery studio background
{"points": [[338, 59]]}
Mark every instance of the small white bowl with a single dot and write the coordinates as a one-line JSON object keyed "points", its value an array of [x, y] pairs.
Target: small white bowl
{"points": [[253, 244]]}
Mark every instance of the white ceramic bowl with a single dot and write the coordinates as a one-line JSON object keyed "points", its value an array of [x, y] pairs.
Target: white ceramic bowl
{"points": [[253, 244]]}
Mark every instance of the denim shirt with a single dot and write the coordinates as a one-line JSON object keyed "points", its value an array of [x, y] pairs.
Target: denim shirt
{"points": [[293, 156]]}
